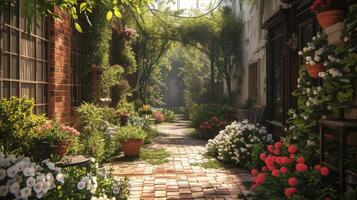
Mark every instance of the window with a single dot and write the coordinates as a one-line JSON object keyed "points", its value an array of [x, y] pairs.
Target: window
{"points": [[75, 54], [277, 77], [24, 59]]}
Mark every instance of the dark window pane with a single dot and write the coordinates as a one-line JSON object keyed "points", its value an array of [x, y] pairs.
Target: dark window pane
{"points": [[5, 39], [39, 71], [39, 49], [45, 72], [14, 67], [15, 89], [5, 89], [5, 14], [14, 13], [14, 41], [39, 95], [5, 66]]}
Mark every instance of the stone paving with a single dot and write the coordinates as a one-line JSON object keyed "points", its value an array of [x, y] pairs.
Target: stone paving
{"points": [[181, 177]]}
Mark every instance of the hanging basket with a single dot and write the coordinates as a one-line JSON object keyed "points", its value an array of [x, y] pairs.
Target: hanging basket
{"points": [[314, 70], [329, 17]]}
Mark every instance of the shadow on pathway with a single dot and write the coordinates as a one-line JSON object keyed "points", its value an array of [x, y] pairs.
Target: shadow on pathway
{"points": [[181, 177]]}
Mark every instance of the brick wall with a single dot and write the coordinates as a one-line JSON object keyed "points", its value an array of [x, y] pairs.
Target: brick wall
{"points": [[60, 69]]}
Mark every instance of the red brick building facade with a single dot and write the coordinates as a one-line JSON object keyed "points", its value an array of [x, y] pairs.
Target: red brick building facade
{"points": [[42, 66]]}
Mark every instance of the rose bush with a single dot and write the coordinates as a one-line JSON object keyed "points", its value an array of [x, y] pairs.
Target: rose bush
{"points": [[211, 128], [286, 175], [235, 143]]}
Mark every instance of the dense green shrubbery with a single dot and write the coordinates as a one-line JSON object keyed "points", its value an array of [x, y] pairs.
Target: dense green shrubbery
{"points": [[17, 123], [169, 115], [130, 133], [204, 112]]}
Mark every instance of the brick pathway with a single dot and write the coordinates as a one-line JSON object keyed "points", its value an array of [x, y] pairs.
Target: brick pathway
{"points": [[181, 177]]}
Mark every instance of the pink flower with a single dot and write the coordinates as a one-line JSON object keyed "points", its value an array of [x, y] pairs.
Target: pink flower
{"points": [[271, 148], [285, 160], [301, 167], [289, 192], [275, 172], [262, 156], [283, 170], [276, 152], [300, 160], [260, 179], [317, 167], [293, 181], [292, 149], [324, 171], [277, 145], [264, 169], [254, 172]]}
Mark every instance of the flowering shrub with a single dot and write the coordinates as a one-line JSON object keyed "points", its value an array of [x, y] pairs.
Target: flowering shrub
{"points": [[158, 116], [210, 128], [316, 51], [204, 112], [234, 143], [145, 109], [169, 115], [22, 179], [324, 5], [285, 174]]}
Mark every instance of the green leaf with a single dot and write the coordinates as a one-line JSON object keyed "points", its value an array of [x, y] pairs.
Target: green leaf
{"points": [[83, 6], [109, 15], [117, 13], [78, 27]]}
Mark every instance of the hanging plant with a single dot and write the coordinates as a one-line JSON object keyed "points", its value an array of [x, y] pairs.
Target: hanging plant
{"points": [[328, 12]]}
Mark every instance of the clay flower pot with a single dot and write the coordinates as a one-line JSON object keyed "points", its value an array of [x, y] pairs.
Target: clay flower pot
{"points": [[329, 17], [131, 148], [62, 148], [313, 70]]}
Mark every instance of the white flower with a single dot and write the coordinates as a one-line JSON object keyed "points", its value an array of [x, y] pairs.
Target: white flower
{"points": [[314, 38], [49, 177], [47, 186], [38, 187], [329, 107], [11, 172], [29, 171], [335, 72], [30, 182], [311, 62], [3, 191], [92, 160], [304, 49], [2, 174], [345, 39], [317, 58], [39, 195], [300, 53], [116, 190], [81, 185], [60, 178], [14, 187], [322, 74], [25, 192], [308, 58]]}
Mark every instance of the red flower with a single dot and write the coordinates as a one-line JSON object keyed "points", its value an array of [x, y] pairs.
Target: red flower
{"points": [[285, 160], [327, 198], [300, 160], [317, 167], [275, 172], [301, 167], [324, 171], [283, 170], [276, 152], [269, 161], [260, 179], [254, 172], [271, 148], [277, 145], [262, 156], [292, 149], [264, 169], [293, 181], [208, 126], [289, 192], [254, 187], [278, 160]]}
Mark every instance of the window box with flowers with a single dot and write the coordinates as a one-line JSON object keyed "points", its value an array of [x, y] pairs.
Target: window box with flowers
{"points": [[328, 12]]}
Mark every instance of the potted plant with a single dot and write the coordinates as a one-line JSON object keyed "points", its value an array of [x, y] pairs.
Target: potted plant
{"points": [[131, 139], [314, 54], [57, 136], [328, 12]]}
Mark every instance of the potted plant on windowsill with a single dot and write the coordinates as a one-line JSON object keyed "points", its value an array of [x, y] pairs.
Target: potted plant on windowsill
{"points": [[314, 54], [131, 139], [328, 12]]}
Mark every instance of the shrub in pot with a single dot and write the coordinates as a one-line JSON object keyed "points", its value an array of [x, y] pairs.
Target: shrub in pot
{"points": [[328, 12], [315, 55], [131, 139]]}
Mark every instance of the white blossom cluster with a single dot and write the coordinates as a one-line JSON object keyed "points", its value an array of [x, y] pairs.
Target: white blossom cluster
{"points": [[21, 179], [88, 182], [235, 142], [313, 52]]}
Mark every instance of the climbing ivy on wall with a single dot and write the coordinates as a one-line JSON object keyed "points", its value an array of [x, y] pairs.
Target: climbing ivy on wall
{"points": [[94, 53]]}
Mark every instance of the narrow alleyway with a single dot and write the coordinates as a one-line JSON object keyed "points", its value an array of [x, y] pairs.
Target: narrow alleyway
{"points": [[181, 177]]}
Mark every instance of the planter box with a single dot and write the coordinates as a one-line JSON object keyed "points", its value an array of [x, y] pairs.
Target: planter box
{"points": [[334, 34]]}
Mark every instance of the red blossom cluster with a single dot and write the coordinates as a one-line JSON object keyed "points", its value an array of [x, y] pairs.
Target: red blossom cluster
{"points": [[281, 162], [325, 5], [213, 124]]}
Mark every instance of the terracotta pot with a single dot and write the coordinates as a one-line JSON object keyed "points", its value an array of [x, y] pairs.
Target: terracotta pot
{"points": [[313, 70], [131, 148], [62, 148], [329, 17]]}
